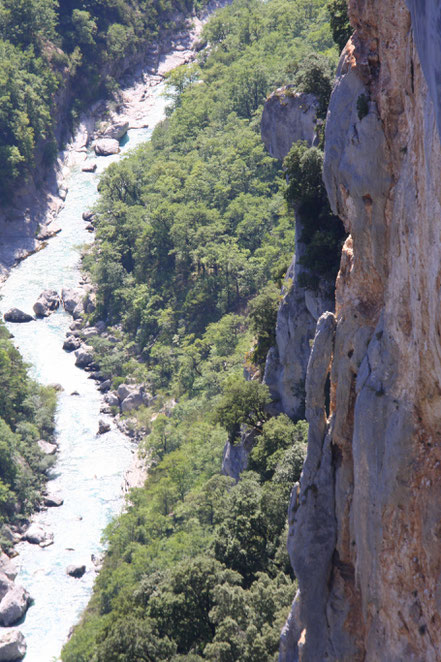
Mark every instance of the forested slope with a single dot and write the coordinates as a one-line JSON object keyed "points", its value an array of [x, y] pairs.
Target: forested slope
{"points": [[26, 415], [52, 52], [194, 234]]}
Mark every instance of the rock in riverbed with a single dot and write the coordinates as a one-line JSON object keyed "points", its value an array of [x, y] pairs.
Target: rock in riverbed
{"points": [[116, 131], [83, 356], [14, 605], [18, 316], [36, 535], [71, 343], [53, 501], [76, 571], [103, 426], [12, 646], [106, 147], [47, 302], [89, 166]]}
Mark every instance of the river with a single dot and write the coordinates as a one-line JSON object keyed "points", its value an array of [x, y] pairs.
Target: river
{"points": [[90, 467]]}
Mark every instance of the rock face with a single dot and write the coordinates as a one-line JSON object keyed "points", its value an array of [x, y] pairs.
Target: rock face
{"points": [[17, 315], [288, 117], [365, 527], [12, 646], [106, 147]]}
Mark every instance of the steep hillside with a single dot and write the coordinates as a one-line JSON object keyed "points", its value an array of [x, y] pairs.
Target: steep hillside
{"points": [[364, 536]]}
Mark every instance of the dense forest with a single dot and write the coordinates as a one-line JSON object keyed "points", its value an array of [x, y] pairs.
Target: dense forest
{"points": [[26, 415], [194, 235], [51, 49]]}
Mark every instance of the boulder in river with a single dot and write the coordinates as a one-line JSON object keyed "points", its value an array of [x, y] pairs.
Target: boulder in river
{"points": [[53, 501], [72, 299], [47, 447], [36, 535], [76, 571], [84, 356], [89, 166], [18, 316], [47, 302], [14, 605], [12, 646], [103, 426], [116, 131], [105, 386], [106, 147], [71, 343]]}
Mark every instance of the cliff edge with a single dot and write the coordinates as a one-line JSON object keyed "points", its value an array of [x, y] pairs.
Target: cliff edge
{"points": [[365, 528]]}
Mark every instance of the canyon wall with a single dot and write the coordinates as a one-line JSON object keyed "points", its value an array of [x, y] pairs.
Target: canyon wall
{"points": [[365, 526]]}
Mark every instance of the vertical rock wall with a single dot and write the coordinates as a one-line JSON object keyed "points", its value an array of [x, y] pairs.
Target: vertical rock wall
{"points": [[365, 536]]}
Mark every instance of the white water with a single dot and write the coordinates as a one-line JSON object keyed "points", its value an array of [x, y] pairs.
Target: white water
{"points": [[89, 468]]}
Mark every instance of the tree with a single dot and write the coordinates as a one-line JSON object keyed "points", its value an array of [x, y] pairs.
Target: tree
{"points": [[340, 26], [279, 434], [242, 402], [315, 75]]}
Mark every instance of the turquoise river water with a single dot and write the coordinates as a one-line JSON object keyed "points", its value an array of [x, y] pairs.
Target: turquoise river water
{"points": [[90, 468]]}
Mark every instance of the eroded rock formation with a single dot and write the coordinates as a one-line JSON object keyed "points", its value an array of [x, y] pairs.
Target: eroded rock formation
{"points": [[366, 526]]}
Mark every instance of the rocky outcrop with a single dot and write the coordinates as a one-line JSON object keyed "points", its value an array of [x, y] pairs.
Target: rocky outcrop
{"points": [[36, 535], [14, 601], [116, 131], [287, 118], [365, 526], [235, 456], [12, 646]]}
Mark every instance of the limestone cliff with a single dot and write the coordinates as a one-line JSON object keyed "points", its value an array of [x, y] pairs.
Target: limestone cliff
{"points": [[365, 529]]}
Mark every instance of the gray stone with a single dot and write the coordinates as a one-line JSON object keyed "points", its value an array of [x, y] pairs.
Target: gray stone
{"points": [[71, 343], [53, 501], [76, 571], [72, 299], [89, 332], [112, 399], [18, 316], [12, 646], [7, 566], [288, 117], [84, 356], [124, 390], [14, 605], [105, 386], [88, 216], [36, 535], [235, 456], [106, 147], [89, 166], [103, 426], [132, 401], [312, 525], [116, 131], [47, 447], [47, 302]]}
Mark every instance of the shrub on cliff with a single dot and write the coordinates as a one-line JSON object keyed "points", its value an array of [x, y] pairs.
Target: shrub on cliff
{"points": [[340, 26], [322, 232]]}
